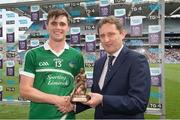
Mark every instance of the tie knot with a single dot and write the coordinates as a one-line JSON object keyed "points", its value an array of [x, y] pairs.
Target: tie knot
{"points": [[111, 57]]}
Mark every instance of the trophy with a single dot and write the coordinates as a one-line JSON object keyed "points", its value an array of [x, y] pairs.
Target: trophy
{"points": [[79, 93]]}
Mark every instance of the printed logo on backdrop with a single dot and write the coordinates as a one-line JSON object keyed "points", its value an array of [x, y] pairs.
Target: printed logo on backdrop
{"points": [[102, 52], [58, 5], [120, 14], [90, 43], [10, 18], [23, 8], [1, 92], [104, 8], [75, 35], [44, 20], [90, 12], [10, 89], [154, 34], [11, 82], [89, 82], [1, 61], [119, 1], [35, 12], [75, 13], [9, 98], [155, 105], [21, 55], [23, 28], [137, 10], [1, 29], [74, 4], [22, 42], [90, 3], [23, 23], [11, 50], [89, 75], [10, 15], [10, 64], [74, 9], [89, 65], [137, 1], [89, 27], [155, 95], [154, 7], [90, 57], [90, 19], [74, 21], [34, 43], [136, 25], [21, 99], [155, 77], [10, 35], [9, 22]]}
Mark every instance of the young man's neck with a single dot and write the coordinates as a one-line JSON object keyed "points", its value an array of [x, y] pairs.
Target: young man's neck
{"points": [[57, 46]]}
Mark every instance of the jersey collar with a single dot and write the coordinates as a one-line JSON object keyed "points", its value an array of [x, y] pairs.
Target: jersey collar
{"points": [[47, 47]]}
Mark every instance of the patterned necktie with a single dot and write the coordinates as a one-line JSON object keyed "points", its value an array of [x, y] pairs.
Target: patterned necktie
{"points": [[109, 67]]}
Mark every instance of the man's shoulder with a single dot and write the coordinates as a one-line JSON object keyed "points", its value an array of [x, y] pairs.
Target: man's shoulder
{"points": [[74, 51], [131, 52], [35, 50], [133, 55], [100, 59]]}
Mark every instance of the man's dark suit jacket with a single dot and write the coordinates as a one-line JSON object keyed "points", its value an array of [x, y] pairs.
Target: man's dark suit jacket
{"points": [[126, 91]]}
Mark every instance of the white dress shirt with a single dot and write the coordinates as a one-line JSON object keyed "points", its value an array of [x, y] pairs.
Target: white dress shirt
{"points": [[103, 74]]}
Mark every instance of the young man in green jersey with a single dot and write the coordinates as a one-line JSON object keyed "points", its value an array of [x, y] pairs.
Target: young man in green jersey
{"points": [[49, 70]]}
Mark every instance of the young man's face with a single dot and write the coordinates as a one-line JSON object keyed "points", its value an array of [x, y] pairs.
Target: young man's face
{"points": [[111, 38], [58, 28]]}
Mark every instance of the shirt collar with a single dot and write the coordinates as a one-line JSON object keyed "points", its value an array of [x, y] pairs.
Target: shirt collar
{"points": [[47, 46], [117, 52]]}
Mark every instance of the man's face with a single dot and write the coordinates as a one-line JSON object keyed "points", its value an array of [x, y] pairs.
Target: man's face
{"points": [[58, 28], [111, 38]]}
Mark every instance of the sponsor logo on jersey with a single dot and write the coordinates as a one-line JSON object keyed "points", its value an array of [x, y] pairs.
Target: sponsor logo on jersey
{"points": [[57, 80]]}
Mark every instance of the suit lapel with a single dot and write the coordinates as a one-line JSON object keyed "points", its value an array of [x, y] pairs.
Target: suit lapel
{"points": [[120, 59], [100, 66]]}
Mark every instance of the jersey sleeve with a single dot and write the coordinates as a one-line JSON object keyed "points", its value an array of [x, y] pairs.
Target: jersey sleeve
{"points": [[29, 65], [81, 61], [80, 64]]}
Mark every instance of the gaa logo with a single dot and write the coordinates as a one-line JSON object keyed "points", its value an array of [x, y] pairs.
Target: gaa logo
{"points": [[43, 64]]}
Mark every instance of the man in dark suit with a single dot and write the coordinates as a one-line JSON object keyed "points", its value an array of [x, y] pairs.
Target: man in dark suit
{"points": [[121, 87]]}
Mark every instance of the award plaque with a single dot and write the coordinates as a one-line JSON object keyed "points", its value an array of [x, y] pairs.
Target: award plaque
{"points": [[79, 93]]}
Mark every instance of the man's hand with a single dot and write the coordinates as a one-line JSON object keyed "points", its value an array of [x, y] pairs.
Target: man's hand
{"points": [[95, 100], [64, 104]]}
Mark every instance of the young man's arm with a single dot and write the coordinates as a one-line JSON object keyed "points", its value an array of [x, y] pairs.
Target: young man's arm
{"points": [[29, 92]]}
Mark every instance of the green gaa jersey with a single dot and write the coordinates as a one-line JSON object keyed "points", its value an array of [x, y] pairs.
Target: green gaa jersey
{"points": [[53, 73]]}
